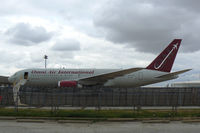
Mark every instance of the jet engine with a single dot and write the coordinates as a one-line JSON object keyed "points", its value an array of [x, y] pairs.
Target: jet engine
{"points": [[67, 84]]}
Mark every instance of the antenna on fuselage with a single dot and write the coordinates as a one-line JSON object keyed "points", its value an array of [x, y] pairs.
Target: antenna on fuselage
{"points": [[45, 59]]}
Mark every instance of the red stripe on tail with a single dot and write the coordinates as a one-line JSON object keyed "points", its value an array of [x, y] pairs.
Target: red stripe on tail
{"points": [[165, 60]]}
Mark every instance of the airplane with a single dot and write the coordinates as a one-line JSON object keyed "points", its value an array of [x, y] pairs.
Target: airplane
{"points": [[157, 71]]}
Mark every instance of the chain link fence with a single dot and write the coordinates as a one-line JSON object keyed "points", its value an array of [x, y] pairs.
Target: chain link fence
{"points": [[102, 97]]}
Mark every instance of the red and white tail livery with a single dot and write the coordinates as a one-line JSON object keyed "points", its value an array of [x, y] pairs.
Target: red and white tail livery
{"points": [[165, 60]]}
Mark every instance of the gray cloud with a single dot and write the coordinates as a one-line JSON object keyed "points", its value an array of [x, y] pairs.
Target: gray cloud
{"points": [[149, 26], [192, 5], [25, 34], [66, 45]]}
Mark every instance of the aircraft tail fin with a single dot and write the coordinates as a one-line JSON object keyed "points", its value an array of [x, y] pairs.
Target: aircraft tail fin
{"points": [[165, 60]]}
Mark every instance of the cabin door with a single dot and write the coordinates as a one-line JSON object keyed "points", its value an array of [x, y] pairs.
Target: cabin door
{"points": [[25, 75]]}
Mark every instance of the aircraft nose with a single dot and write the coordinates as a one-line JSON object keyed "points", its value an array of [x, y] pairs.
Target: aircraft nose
{"points": [[10, 79]]}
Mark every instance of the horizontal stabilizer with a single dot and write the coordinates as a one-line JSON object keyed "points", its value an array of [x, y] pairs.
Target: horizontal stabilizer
{"points": [[174, 74]]}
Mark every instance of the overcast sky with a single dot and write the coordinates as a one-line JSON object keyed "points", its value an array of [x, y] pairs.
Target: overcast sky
{"points": [[97, 33]]}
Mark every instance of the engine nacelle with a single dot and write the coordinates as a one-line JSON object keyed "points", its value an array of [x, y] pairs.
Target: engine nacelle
{"points": [[67, 84]]}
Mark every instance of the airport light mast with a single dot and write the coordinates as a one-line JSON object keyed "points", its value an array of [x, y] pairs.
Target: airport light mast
{"points": [[45, 59]]}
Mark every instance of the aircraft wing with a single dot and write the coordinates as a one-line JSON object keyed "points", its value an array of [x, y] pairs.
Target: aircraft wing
{"points": [[102, 78], [173, 74]]}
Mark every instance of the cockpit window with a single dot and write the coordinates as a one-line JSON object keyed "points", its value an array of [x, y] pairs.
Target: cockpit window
{"points": [[14, 74]]}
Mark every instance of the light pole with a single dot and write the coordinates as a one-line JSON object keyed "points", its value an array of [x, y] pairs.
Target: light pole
{"points": [[45, 59]]}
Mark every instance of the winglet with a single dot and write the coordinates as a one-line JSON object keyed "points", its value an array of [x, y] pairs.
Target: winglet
{"points": [[165, 60]]}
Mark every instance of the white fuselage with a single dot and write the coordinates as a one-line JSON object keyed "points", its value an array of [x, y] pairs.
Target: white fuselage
{"points": [[51, 77]]}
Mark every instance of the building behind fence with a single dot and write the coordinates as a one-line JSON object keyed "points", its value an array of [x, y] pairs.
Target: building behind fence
{"points": [[103, 97]]}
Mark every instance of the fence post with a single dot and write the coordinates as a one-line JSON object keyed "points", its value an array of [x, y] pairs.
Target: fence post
{"points": [[99, 101], [16, 102]]}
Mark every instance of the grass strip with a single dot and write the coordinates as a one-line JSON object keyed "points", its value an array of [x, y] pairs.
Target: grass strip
{"points": [[80, 113]]}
